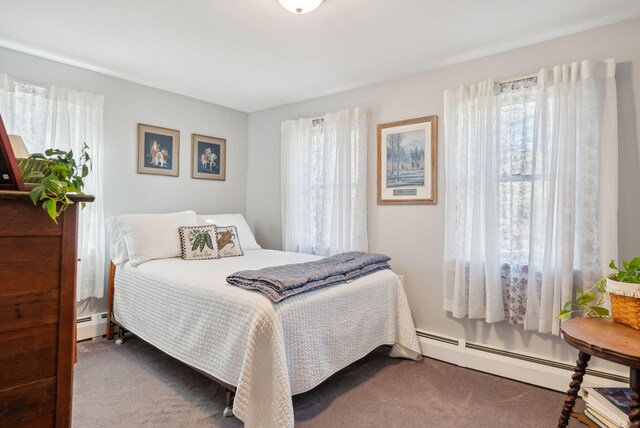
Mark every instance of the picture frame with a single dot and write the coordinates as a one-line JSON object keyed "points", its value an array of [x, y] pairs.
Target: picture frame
{"points": [[158, 150], [208, 157], [407, 161], [10, 177]]}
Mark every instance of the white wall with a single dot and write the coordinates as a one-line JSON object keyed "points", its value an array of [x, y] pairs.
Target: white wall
{"points": [[126, 105], [413, 235]]}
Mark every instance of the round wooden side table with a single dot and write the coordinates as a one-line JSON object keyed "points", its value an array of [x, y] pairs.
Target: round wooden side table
{"points": [[609, 340]]}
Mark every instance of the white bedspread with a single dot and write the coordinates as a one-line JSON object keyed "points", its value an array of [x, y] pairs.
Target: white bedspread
{"points": [[268, 351]]}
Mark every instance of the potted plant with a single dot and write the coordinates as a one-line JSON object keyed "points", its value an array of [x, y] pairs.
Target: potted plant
{"points": [[623, 289], [56, 174]]}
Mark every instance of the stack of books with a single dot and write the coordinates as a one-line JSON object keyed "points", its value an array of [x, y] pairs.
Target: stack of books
{"points": [[608, 407]]}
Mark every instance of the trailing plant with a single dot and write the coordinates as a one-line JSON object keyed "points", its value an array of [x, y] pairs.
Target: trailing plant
{"points": [[630, 272], [589, 303], [60, 176]]}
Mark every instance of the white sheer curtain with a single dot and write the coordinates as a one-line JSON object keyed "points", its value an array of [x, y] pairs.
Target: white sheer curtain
{"points": [[531, 201], [471, 255], [575, 193], [324, 183], [48, 117]]}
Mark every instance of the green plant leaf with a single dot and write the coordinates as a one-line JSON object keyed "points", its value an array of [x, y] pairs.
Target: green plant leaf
{"points": [[586, 298], [59, 168], [567, 306], [563, 315], [612, 265], [603, 312], [36, 194], [51, 209], [635, 263]]}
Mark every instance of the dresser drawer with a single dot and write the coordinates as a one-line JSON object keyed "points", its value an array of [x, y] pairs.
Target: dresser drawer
{"points": [[22, 218], [28, 355], [30, 405], [29, 310], [29, 264]]}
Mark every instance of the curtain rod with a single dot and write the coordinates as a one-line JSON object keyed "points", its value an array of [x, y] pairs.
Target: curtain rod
{"points": [[515, 79]]}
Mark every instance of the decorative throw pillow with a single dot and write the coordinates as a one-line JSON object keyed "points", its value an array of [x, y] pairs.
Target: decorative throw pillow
{"points": [[228, 241], [198, 242]]}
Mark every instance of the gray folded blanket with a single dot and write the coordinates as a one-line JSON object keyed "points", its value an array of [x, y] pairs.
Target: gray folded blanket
{"points": [[280, 282]]}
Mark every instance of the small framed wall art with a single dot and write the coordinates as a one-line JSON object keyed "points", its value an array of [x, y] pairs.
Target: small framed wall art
{"points": [[10, 177], [158, 150], [407, 163], [208, 157]]}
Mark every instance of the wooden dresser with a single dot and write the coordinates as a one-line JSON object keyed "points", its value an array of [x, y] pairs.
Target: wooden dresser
{"points": [[37, 312]]}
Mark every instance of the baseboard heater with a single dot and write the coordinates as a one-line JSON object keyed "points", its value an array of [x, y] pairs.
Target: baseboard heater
{"points": [[91, 326], [542, 372]]}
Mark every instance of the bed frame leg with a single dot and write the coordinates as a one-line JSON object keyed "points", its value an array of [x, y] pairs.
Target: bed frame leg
{"points": [[120, 336], [110, 325], [228, 411]]}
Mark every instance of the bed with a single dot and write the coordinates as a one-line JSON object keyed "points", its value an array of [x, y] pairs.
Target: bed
{"points": [[262, 351]]}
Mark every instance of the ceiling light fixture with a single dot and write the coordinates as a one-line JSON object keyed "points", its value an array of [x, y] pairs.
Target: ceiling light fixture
{"points": [[300, 6]]}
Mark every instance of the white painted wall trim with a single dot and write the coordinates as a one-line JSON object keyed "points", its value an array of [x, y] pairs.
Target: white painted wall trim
{"points": [[522, 367]]}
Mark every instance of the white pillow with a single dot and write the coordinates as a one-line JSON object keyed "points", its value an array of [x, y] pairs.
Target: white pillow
{"points": [[247, 240], [154, 236], [118, 252]]}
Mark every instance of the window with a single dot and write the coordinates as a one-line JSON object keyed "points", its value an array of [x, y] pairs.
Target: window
{"points": [[29, 116], [516, 116], [324, 172], [55, 117], [531, 192], [516, 126]]}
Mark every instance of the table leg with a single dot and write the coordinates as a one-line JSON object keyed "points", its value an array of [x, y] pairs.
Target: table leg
{"points": [[634, 383], [574, 387]]}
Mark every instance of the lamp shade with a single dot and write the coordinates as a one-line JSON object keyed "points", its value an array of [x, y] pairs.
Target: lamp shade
{"points": [[19, 148], [300, 6]]}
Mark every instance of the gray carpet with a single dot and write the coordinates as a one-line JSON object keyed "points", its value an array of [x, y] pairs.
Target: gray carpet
{"points": [[134, 385]]}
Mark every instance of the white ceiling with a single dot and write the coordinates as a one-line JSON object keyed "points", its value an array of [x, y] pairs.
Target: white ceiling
{"points": [[253, 54]]}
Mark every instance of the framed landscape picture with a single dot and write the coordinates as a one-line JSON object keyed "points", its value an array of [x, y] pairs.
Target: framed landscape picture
{"points": [[158, 150], [10, 178], [208, 157], [407, 161]]}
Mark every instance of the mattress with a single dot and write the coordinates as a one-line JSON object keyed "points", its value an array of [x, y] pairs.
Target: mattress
{"points": [[268, 351]]}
